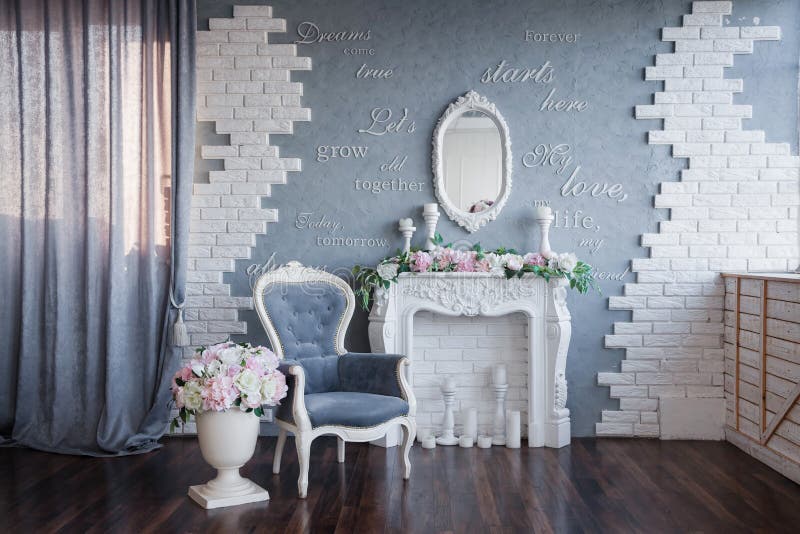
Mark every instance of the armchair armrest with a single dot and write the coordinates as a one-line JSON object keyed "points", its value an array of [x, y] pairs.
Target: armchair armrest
{"points": [[381, 374], [293, 408]]}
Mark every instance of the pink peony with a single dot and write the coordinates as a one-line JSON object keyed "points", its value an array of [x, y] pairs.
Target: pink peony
{"points": [[483, 266], [534, 258], [219, 394], [421, 261], [465, 262]]}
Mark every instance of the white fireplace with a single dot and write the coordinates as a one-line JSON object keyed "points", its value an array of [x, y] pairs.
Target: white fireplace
{"points": [[542, 303]]}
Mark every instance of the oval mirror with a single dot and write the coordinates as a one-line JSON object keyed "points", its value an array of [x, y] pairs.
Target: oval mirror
{"points": [[472, 161]]}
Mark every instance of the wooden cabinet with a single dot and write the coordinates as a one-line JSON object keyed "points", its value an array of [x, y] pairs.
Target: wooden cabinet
{"points": [[762, 367]]}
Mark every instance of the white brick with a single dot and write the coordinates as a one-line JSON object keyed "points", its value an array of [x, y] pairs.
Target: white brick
{"points": [[723, 8], [614, 429], [615, 379], [714, 58], [266, 24], [673, 34], [694, 46], [703, 19], [252, 11], [727, 32], [226, 24], [770, 33], [612, 341]]}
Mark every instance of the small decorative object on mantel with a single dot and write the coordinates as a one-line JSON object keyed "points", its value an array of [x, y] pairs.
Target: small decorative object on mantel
{"points": [[544, 216], [225, 388], [407, 229], [443, 258], [500, 386], [465, 442], [448, 424], [429, 442], [430, 212]]}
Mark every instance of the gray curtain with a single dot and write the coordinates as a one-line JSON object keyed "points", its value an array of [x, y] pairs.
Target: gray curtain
{"points": [[97, 122]]}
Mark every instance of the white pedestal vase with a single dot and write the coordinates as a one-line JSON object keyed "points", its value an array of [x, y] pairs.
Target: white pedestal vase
{"points": [[227, 442]]}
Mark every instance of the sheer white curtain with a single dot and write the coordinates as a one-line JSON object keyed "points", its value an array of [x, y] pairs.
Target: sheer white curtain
{"points": [[96, 119]]}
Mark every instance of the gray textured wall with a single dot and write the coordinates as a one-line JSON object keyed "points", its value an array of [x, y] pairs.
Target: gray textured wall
{"points": [[438, 51]]}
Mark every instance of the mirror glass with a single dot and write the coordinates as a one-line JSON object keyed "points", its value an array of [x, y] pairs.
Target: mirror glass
{"points": [[472, 161]]}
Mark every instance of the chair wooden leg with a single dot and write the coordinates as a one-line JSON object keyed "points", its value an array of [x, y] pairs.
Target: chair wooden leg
{"points": [[276, 461], [303, 444], [409, 433], [340, 450]]}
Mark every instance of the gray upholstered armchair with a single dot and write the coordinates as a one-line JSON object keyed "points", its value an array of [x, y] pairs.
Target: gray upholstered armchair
{"points": [[357, 397]]}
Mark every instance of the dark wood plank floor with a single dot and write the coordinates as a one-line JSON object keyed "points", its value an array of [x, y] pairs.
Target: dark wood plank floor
{"points": [[591, 486]]}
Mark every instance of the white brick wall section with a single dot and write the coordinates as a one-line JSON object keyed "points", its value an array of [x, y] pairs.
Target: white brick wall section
{"points": [[244, 87], [735, 208], [467, 348]]}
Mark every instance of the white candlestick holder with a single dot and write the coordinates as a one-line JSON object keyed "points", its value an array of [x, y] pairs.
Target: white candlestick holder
{"points": [[407, 230], [544, 222], [448, 424], [430, 213], [499, 428]]}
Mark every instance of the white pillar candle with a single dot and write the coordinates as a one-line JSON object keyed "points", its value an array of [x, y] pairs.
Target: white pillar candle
{"points": [[449, 384], [499, 374], [432, 207], [471, 423], [406, 224], [484, 441], [513, 429], [429, 442], [465, 442], [542, 212]]}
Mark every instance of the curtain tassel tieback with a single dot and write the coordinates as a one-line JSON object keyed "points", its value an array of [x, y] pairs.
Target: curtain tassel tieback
{"points": [[180, 337]]}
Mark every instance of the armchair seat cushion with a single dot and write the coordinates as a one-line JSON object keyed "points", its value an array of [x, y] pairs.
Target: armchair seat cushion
{"points": [[349, 408]]}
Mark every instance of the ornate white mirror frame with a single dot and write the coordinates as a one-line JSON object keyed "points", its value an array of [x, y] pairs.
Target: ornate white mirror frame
{"points": [[471, 101]]}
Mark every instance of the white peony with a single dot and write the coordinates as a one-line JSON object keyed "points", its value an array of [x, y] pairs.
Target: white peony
{"points": [[198, 367], [216, 368], [495, 262], [231, 355], [251, 400], [247, 381], [388, 271], [192, 395], [514, 262], [567, 261], [268, 387]]}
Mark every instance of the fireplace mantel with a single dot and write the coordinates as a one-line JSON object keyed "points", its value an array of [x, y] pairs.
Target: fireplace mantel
{"points": [[391, 325]]}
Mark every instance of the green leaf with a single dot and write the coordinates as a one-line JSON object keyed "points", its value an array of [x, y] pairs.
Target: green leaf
{"points": [[259, 411]]}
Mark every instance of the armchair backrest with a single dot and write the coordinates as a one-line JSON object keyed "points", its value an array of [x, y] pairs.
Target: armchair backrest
{"points": [[305, 313]]}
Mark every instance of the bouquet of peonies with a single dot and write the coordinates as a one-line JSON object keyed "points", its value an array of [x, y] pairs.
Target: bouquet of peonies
{"points": [[228, 375], [444, 258]]}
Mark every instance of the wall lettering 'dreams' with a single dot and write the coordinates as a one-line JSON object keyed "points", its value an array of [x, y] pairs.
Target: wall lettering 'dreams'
{"points": [[557, 157], [382, 123], [310, 33]]}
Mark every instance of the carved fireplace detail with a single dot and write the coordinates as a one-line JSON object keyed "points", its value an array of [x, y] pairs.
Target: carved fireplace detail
{"points": [[391, 324]]}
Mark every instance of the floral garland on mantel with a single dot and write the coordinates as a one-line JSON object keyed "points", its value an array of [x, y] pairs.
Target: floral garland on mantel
{"points": [[445, 259]]}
